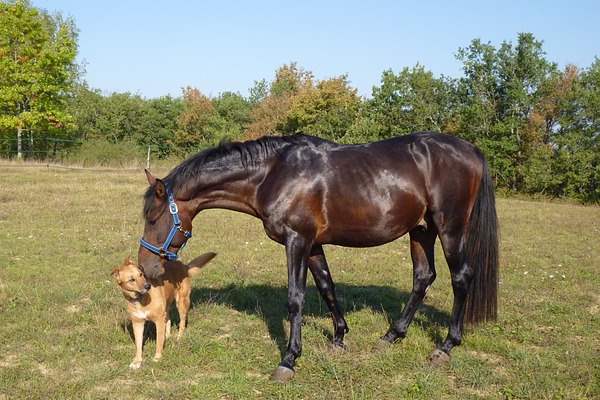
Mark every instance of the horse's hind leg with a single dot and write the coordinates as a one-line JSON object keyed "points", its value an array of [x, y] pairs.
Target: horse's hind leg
{"points": [[320, 272], [422, 241], [462, 275]]}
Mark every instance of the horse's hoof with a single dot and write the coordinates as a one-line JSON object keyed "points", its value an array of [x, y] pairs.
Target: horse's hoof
{"points": [[382, 345], [439, 358], [338, 347], [135, 365], [282, 374]]}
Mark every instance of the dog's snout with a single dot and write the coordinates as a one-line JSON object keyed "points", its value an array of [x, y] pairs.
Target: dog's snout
{"points": [[147, 286]]}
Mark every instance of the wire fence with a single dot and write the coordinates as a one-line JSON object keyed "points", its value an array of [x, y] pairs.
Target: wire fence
{"points": [[65, 167], [37, 148]]}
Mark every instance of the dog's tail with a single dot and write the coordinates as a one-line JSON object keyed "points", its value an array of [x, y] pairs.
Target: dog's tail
{"points": [[197, 263]]}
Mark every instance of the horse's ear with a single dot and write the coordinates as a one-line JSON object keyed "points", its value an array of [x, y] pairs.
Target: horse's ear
{"points": [[150, 177], [159, 189]]}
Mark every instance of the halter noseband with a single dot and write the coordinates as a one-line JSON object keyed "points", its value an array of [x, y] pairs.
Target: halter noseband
{"points": [[163, 251]]}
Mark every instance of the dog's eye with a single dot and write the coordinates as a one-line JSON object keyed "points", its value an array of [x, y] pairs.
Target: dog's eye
{"points": [[132, 280], [140, 274]]}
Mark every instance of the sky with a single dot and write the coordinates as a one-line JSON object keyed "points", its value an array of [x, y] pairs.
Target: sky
{"points": [[156, 48]]}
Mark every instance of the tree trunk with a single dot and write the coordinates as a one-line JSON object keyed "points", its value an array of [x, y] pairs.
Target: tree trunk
{"points": [[19, 147]]}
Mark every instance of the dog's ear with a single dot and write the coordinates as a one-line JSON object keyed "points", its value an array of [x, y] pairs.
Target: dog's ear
{"points": [[202, 260], [127, 260], [115, 273]]}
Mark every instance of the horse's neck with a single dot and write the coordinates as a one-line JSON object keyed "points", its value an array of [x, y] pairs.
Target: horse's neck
{"points": [[237, 192]]}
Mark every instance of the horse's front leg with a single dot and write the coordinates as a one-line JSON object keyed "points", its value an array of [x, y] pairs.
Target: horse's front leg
{"points": [[297, 250]]}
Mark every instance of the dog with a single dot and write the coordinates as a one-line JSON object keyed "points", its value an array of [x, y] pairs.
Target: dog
{"points": [[148, 301]]}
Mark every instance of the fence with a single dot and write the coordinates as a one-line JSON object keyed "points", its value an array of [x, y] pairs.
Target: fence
{"points": [[38, 148]]}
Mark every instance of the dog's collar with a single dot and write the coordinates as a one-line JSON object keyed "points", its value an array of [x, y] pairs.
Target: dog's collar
{"points": [[163, 251]]}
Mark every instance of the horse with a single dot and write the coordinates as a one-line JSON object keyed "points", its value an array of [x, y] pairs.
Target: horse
{"points": [[309, 192]]}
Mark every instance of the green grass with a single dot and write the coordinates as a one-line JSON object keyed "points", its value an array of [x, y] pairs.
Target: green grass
{"points": [[62, 320]]}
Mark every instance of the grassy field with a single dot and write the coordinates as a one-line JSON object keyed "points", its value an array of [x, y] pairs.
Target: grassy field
{"points": [[63, 327]]}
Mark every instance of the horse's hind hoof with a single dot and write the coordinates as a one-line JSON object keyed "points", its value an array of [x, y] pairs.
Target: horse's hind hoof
{"points": [[338, 347], [439, 358], [282, 374]]}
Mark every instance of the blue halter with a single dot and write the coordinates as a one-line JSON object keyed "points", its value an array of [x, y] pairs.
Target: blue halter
{"points": [[164, 250]]}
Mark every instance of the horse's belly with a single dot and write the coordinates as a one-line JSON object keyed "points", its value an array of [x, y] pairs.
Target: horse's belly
{"points": [[359, 239], [353, 232]]}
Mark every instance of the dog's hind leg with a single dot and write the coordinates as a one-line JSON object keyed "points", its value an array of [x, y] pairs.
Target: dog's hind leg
{"points": [[183, 306], [160, 323], [138, 333], [168, 329]]}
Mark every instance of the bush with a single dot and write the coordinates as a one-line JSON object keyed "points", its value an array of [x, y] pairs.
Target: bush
{"points": [[99, 152]]}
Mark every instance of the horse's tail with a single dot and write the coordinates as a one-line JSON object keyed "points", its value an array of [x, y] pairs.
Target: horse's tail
{"points": [[481, 253]]}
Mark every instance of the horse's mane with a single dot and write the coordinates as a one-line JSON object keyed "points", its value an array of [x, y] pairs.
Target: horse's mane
{"points": [[231, 155]]}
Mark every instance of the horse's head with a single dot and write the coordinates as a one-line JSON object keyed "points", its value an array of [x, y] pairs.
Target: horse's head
{"points": [[168, 225]]}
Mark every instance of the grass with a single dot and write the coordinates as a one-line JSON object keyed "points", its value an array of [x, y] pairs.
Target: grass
{"points": [[63, 322]]}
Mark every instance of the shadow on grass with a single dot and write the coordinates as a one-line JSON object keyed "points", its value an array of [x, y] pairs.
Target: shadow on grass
{"points": [[270, 303]]}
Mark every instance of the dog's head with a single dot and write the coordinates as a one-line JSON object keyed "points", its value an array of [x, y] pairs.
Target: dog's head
{"points": [[131, 280]]}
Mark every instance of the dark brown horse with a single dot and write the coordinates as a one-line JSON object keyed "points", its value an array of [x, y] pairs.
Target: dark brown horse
{"points": [[309, 192]]}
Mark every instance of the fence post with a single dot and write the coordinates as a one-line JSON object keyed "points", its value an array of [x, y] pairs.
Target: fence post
{"points": [[19, 152], [148, 159]]}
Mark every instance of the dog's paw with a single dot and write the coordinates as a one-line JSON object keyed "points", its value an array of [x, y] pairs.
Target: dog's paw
{"points": [[157, 358], [135, 364]]}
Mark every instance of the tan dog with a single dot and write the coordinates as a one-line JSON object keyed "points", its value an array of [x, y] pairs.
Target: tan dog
{"points": [[150, 302]]}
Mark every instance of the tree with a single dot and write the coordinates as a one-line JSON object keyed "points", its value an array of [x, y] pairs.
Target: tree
{"points": [[234, 112], [498, 96], [37, 69], [413, 100], [198, 123], [327, 110], [269, 115]]}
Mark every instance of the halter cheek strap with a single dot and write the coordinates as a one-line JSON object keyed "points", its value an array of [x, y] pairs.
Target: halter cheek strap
{"points": [[163, 251]]}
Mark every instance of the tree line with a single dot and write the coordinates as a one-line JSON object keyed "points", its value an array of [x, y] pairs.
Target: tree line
{"points": [[538, 124]]}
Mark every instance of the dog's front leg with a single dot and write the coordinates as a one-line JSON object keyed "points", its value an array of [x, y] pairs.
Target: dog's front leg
{"points": [[160, 323], [138, 333]]}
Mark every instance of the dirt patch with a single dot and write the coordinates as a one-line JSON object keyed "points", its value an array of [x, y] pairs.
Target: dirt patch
{"points": [[77, 307], [73, 309], [116, 384], [493, 359], [9, 361], [594, 308], [44, 370]]}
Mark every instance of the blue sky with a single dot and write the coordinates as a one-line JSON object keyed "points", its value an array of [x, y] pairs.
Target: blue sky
{"points": [[155, 48]]}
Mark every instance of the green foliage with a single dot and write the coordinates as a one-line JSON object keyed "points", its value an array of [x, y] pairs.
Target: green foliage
{"points": [[100, 152], [327, 110], [126, 117], [414, 100], [37, 69]]}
